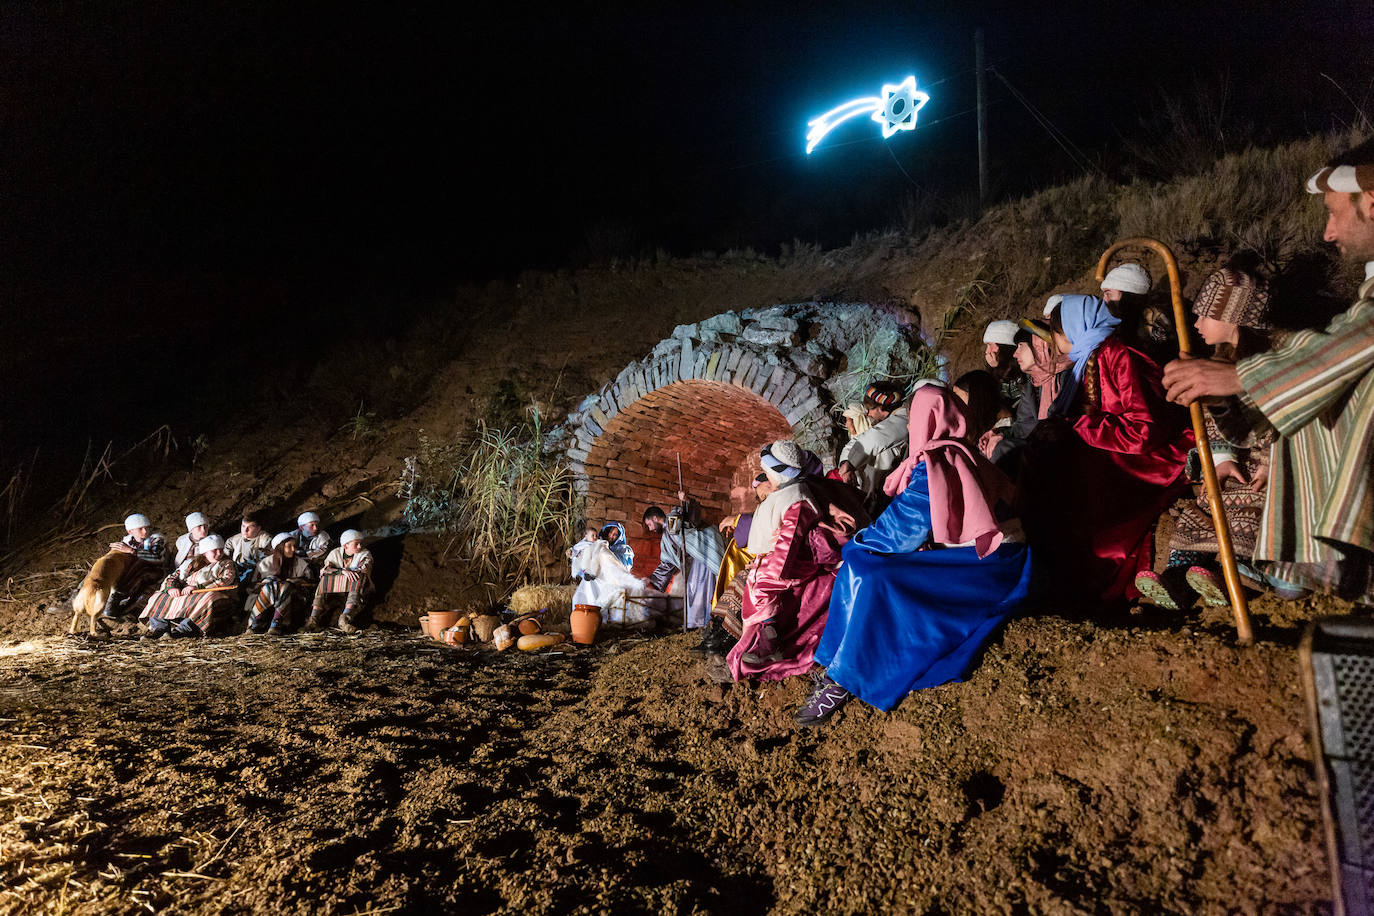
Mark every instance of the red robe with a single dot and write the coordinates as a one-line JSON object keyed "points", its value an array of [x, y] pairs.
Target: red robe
{"points": [[1094, 493]]}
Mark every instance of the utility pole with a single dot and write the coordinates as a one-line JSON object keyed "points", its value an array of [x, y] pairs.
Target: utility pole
{"points": [[980, 68]]}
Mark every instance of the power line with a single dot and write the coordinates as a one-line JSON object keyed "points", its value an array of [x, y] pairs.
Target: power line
{"points": [[1057, 135]]}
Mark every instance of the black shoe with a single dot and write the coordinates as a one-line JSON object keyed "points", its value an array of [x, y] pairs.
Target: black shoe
{"points": [[719, 642], [704, 645]]}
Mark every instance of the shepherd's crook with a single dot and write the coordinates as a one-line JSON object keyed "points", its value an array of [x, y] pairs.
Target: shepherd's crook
{"points": [[1239, 609]]}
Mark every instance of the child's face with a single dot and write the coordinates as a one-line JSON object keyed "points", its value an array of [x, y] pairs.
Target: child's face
{"points": [[311, 528], [591, 534], [249, 529], [141, 532], [214, 555], [288, 548], [199, 532], [352, 547]]}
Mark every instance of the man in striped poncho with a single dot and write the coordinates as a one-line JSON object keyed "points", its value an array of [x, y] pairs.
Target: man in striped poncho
{"points": [[1317, 390]]}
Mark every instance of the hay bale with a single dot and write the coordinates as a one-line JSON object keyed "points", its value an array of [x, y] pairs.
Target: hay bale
{"points": [[533, 598]]}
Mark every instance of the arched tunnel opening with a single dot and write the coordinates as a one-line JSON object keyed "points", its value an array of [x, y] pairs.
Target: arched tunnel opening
{"points": [[716, 427]]}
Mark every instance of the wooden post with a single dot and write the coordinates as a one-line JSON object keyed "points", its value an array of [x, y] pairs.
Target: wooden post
{"points": [[980, 68]]}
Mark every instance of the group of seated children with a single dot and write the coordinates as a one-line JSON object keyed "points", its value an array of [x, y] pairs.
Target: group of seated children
{"points": [[207, 578]]}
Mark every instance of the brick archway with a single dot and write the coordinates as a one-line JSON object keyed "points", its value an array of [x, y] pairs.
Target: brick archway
{"points": [[719, 389], [717, 429]]}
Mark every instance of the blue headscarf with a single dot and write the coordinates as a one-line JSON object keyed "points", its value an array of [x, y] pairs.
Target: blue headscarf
{"points": [[1087, 323], [621, 548]]}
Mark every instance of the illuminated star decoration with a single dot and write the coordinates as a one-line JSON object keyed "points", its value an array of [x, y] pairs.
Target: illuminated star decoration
{"points": [[894, 110]]}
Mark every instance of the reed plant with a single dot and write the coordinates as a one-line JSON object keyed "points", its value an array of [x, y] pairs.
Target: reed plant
{"points": [[510, 506]]}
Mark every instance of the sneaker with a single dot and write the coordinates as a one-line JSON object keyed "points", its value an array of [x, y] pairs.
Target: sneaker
{"points": [[1206, 584], [825, 700], [1166, 591], [157, 629]]}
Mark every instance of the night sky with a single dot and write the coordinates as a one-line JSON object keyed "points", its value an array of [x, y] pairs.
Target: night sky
{"points": [[169, 168]]}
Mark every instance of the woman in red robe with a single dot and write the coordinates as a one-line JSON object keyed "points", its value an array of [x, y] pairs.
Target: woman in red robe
{"points": [[1105, 465]]}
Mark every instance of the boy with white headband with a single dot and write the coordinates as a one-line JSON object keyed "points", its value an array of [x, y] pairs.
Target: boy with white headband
{"points": [[312, 541], [190, 596], [197, 527], [1317, 391], [868, 457], [141, 576], [348, 571]]}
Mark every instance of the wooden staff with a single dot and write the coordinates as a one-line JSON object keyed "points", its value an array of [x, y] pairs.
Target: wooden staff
{"points": [[1239, 608]]}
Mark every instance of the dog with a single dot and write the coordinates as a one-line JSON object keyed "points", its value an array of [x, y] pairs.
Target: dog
{"points": [[96, 588]]}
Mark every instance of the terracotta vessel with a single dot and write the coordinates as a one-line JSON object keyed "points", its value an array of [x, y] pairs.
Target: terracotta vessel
{"points": [[424, 626], [585, 621], [439, 621], [529, 626]]}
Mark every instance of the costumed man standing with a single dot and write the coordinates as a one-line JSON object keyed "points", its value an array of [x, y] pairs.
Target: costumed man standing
{"points": [[681, 529], [1317, 390], [870, 456]]}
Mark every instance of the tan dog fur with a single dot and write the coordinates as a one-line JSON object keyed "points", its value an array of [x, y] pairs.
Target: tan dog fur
{"points": [[96, 587]]}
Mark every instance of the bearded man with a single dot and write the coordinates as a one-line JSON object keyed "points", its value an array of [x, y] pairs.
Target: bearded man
{"points": [[1317, 390]]}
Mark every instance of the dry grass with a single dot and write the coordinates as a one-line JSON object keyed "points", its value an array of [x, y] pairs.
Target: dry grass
{"points": [[554, 600]]}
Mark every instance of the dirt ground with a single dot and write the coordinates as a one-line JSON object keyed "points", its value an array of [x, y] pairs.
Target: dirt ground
{"points": [[1146, 765]]}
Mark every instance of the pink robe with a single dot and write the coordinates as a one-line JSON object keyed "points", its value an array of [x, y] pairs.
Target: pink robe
{"points": [[791, 584]]}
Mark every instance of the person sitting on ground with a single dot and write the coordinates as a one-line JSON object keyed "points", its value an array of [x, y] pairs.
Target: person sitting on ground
{"points": [[1125, 290], [1105, 465], [197, 527], [868, 458], [1232, 316], [249, 546], [796, 539], [312, 541], [347, 571], [1046, 370], [683, 529], [613, 533], [923, 588], [727, 600], [192, 596], [1317, 391], [141, 577], [283, 584], [999, 352], [986, 413], [856, 420]]}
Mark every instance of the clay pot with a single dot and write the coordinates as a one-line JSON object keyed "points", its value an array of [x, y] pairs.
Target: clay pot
{"points": [[439, 621], [424, 626], [529, 626], [483, 625], [585, 620], [455, 636]]}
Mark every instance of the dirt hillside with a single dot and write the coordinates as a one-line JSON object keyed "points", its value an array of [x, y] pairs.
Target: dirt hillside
{"points": [[1140, 764]]}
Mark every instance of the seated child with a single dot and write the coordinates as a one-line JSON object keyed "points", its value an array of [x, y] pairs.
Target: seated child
{"points": [[197, 527], [312, 542], [191, 596], [248, 546], [283, 583], [141, 576], [348, 571]]}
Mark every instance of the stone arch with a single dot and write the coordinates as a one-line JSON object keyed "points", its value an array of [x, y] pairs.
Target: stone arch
{"points": [[717, 390]]}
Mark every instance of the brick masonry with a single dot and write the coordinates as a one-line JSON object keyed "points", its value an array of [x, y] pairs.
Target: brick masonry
{"points": [[716, 391]]}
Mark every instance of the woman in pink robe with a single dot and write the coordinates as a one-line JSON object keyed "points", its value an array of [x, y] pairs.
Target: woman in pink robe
{"points": [[788, 593]]}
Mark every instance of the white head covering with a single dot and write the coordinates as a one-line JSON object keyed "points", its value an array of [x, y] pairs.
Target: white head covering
{"points": [[305, 517], [279, 539], [196, 518], [210, 542], [1052, 303], [1348, 178], [137, 521], [350, 535], [1001, 332], [1129, 278]]}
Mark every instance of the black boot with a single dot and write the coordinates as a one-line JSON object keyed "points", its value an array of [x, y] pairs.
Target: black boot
{"points": [[719, 641], [114, 605], [706, 632]]}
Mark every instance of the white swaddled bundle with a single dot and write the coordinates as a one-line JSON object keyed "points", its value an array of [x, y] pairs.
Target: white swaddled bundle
{"points": [[622, 597]]}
